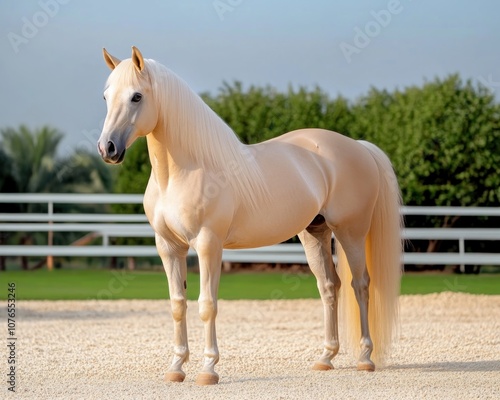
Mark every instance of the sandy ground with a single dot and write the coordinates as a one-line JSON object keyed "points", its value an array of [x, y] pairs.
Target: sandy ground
{"points": [[448, 348]]}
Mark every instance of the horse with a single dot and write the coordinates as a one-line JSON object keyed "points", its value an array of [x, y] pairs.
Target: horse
{"points": [[210, 192]]}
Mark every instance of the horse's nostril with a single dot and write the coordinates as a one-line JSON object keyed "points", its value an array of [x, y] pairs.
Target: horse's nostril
{"points": [[111, 148]]}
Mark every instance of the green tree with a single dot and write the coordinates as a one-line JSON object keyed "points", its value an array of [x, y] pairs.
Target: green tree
{"points": [[7, 180], [443, 140], [36, 167], [134, 172], [259, 114]]}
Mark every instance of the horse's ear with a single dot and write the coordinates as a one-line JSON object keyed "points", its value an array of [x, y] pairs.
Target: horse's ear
{"points": [[111, 61], [137, 59]]}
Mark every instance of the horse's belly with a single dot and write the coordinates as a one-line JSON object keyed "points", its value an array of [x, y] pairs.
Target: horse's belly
{"points": [[292, 209], [267, 234]]}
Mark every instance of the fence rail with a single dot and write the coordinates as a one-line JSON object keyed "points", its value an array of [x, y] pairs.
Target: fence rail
{"points": [[108, 226]]}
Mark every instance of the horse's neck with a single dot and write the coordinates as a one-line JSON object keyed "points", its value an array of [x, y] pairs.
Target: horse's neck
{"points": [[190, 136], [161, 160], [166, 158]]}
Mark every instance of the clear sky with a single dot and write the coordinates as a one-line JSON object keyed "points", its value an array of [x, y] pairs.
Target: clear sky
{"points": [[52, 71]]}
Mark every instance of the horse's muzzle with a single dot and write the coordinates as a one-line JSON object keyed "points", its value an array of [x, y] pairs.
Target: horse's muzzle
{"points": [[110, 152]]}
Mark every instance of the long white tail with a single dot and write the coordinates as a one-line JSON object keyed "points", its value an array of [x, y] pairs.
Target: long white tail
{"points": [[383, 259]]}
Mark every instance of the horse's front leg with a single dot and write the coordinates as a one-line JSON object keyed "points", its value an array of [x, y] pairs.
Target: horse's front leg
{"points": [[209, 251], [174, 262]]}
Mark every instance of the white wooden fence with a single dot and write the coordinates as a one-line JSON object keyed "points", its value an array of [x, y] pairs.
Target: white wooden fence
{"points": [[127, 225]]}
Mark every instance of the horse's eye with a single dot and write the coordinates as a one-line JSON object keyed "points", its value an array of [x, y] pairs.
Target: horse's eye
{"points": [[104, 97], [136, 98]]}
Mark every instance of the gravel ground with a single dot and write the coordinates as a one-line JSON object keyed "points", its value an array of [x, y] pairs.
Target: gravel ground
{"points": [[448, 348]]}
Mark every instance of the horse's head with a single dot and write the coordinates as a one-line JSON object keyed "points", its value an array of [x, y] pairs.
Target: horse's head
{"points": [[132, 110]]}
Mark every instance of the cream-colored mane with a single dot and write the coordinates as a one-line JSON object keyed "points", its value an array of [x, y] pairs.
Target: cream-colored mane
{"points": [[196, 129]]}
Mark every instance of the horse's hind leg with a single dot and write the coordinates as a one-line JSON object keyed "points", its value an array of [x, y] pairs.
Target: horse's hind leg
{"points": [[316, 239], [354, 248]]}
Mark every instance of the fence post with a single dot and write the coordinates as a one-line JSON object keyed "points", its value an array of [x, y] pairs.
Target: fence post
{"points": [[50, 239], [461, 251]]}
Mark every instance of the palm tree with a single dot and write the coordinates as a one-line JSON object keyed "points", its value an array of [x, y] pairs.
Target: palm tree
{"points": [[29, 164], [36, 168]]}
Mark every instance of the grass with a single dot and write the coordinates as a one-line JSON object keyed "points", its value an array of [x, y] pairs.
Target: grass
{"points": [[422, 283], [104, 284]]}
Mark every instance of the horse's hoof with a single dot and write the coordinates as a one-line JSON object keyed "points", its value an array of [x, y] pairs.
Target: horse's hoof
{"points": [[366, 366], [175, 376], [319, 366], [206, 378]]}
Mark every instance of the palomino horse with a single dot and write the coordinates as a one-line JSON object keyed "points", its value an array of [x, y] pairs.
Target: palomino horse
{"points": [[209, 191]]}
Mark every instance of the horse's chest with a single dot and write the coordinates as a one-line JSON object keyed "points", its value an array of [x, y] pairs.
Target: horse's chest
{"points": [[171, 221]]}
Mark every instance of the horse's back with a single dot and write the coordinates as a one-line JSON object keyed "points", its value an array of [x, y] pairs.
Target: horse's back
{"points": [[340, 159], [332, 146]]}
